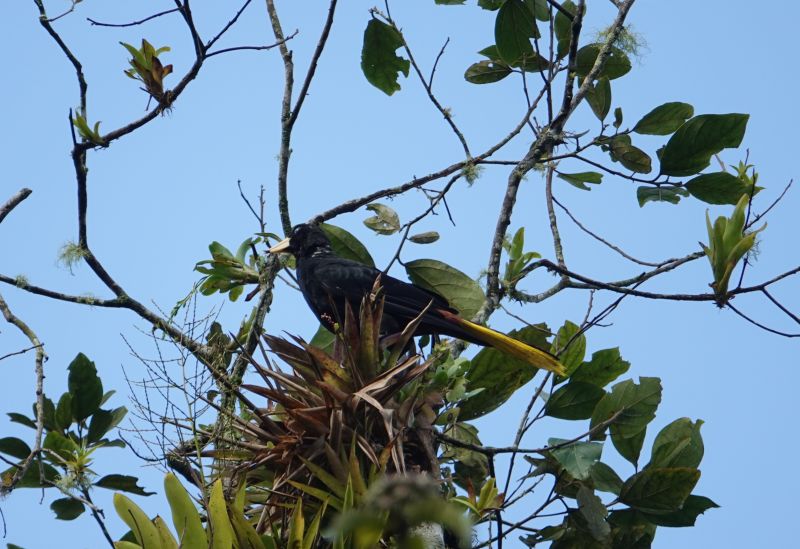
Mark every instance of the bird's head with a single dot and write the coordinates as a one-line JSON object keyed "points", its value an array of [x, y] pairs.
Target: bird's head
{"points": [[305, 241]]}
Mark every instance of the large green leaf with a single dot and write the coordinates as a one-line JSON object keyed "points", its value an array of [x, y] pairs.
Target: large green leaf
{"points": [[634, 407], [633, 158], [385, 221], [690, 149], [514, 27], [31, 477], [22, 419], [323, 339], [103, 421], [563, 28], [578, 457], [630, 530], [125, 483], [617, 63], [599, 98], [379, 62], [345, 245], [85, 387], [578, 179], [659, 490], [499, 374], [575, 400], [660, 194], [14, 447], [605, 366], [569, 346], [594, 513], [67, 508], [679, 444], [664, 119], [460, 291], [718, 188], [605, 478], [486, 72], [693, 507]]}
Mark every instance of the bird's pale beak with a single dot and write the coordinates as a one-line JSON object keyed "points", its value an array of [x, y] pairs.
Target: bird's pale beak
{"points": [[280, 247]]}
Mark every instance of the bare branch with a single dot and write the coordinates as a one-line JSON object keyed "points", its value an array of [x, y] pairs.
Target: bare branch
{"points": [[312, 67], [13, 202], [132, 23]]}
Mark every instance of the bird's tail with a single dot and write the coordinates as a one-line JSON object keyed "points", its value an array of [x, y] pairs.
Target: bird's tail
{"points": [[510, 346]]}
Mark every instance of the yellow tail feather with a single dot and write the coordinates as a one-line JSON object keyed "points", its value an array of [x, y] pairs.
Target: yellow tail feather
{"points": [[524, 352]]}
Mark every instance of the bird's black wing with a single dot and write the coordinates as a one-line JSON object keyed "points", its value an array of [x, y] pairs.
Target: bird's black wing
{"points": [[334, 280]]}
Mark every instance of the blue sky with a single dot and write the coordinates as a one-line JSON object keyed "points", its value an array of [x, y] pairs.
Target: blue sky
{"points": [[158, 197]]}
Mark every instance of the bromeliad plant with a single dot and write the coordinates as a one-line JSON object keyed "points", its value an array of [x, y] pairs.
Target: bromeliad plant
{"points": [[334, 426], [728, 243]]}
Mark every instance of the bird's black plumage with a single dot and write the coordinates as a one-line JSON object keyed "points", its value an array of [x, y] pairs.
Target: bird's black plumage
{"points": [[328, 282]]}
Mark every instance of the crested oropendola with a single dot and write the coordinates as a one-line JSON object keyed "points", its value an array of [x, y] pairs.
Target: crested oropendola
{"points": [[328, 281]]}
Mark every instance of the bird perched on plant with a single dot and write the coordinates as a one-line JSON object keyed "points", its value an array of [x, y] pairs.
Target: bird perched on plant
{"points": [[328, 282]]}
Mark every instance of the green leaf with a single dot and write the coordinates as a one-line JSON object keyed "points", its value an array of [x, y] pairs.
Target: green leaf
{"points": [[486, 72], [563, 28], [578, 179], [605, 478], [460, 291], [690, 149], [63, 416], [31, 477], [85, 387], [660, 194], [49, 413], [385, 221], [575, 400], [630, 447], [659, 490], [499, 374], [569, 346], [664, 119], [513, 29], [124, 483], [679, 444], [136, 519], [599, 98], [470, 466], [67, 508], [606, 366], [22, 419], [185, 517], [64, 447], [617, 63], [618, 119], [345, 245], [15, 447], [718, 188], [540, 9], [103, 421], [578, 457], [634, 407], [630, 530], [490, 5], [424, 238], [594, 513], [633, 158], [693, 507], [323, 339], [379, 62]]}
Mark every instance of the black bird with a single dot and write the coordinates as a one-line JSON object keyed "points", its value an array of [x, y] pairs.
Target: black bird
{"points": [[328, 281]]}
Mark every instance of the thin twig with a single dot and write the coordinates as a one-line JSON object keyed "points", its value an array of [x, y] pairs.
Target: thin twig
{"points": [[132, 23]]}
